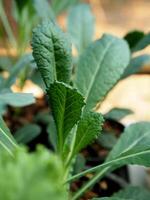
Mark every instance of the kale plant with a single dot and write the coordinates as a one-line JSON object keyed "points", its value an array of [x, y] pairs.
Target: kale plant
{"points": [[73, 98]]}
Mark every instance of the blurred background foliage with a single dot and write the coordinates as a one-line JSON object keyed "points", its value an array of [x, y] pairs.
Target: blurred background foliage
{"points": [[18, 17]]}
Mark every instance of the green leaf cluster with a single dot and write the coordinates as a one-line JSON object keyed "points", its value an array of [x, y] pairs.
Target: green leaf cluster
{"points": [[52, 53], [81, 17], [74, 96]]}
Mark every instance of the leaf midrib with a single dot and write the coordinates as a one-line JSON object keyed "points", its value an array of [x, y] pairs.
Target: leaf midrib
{"points": [[11, 141], [133, 144], [55, 64], [51, 37], [108, 163], [98, 69], [77, 148], [5, 147], [126, 157], [61, 128], [3, 132]]}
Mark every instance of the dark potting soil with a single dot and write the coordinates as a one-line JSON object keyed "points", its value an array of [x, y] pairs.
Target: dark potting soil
{"points": [[18, 117], [94, 154]]}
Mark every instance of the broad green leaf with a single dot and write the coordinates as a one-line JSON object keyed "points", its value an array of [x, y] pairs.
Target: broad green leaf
{"points": [[81, 26], [136, 64], [133, 147], [134, 37], [6, 139], [137, 40], [66, 104], [52, 53], [27, 133], [134, 193], [100, 67], [17, 99], [27, 176], [117, 113], [89, 127]]}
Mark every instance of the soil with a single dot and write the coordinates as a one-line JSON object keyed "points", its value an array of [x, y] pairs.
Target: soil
{"points": [[17, 117], [94, 154]]}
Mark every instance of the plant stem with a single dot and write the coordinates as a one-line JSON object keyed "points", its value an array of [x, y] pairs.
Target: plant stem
{"points": [[70, 155], [6, 25], [60, 145], [90, 183], [68, 161], [108, 164], [93, 169]]}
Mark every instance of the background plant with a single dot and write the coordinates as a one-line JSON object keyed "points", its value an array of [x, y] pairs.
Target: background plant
{"points": [[22, 174], [81, 16], [25, 15]]}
